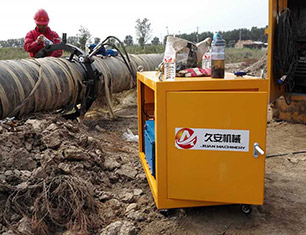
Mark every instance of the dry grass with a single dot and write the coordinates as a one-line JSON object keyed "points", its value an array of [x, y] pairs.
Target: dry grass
{"points": [[56, 203]]}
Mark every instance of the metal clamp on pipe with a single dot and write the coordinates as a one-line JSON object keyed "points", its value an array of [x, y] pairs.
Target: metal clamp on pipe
{"points": [[92, 74], [91, 82]]}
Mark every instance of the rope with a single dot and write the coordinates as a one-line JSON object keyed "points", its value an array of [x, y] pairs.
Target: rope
{"points": [[32, 92], [20, 65], [74, 79], [108, 96], [4, 101], [105, 70]]}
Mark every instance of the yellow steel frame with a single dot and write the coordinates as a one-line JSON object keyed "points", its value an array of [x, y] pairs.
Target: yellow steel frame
{"points": [[152, 91], [274, 91]]}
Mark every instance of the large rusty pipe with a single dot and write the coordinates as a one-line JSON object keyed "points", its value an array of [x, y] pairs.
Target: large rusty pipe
{"points": [[47, 84]]}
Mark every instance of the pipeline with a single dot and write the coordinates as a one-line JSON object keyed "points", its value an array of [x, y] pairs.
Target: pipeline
{"points": [[48, 84]]}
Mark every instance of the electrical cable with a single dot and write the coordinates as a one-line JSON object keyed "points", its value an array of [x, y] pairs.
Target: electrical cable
{"points": [[126, 60], [128, 64], [285, 51], [122, 45], [285, 154], [144, 111]]}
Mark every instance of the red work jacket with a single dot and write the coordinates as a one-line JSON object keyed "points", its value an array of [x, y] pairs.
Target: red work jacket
{"points": [[31, 46]]}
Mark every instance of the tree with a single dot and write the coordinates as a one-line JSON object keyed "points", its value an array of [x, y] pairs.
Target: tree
{"points": [[143, 31], [73, 40], [128, 41], [155, 41], [97, 40], [83, 36], [111, 41], [205, 35], [12, 42]]}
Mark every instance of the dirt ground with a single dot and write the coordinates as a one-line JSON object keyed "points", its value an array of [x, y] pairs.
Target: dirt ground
{"points": [[36, 151]]}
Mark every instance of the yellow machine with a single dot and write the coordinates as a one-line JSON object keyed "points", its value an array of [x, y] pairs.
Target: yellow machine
{"points": [[208, 142], [289, 15], [202, 141]]}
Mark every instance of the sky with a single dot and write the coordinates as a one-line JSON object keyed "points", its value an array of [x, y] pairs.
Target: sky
{"points": [[118, 18]]}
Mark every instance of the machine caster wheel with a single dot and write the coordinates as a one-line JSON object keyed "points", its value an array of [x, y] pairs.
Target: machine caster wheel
{"points": [[246, 209], [165, 212]]}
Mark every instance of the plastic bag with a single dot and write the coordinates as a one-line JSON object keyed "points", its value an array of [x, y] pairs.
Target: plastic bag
{"points": [[188, 54], [129, 136]]}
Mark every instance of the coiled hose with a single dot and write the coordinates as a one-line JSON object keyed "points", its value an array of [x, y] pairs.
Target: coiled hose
{"points": [[285, 51], [47, 84]]}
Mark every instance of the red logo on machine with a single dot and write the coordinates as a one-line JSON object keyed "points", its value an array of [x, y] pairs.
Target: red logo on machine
{"points": [[185, 138]]}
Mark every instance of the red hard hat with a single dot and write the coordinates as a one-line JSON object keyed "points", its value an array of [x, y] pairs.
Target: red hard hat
{"points": [[41, 17]]}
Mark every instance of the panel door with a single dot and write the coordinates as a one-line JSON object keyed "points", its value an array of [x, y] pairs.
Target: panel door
{"points": [[210, 146]]}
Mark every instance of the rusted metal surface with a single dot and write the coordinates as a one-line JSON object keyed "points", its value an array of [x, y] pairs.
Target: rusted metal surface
{"points": [[295, 112]]}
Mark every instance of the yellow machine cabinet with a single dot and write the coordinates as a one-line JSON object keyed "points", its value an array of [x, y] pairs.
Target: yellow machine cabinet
{"points": [[207, 142]]}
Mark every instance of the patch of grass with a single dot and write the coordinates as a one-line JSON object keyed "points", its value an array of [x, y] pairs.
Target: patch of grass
{"points": [[148, 49], [233, 55], [7, 53]]}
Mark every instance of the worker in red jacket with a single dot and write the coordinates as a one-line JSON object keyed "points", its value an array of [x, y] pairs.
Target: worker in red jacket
{"points": [[41, 36]]}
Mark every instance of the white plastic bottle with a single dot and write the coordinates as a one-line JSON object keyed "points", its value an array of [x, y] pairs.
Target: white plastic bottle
{"points": [[206, 60], [47, 41], [169, 62]]}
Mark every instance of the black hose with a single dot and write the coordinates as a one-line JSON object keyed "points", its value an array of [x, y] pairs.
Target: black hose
{"points": [[285, 51], [122, 45], [127, 63], [126, 60]]}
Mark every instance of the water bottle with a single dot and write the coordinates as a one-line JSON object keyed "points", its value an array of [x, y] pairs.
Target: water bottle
{"points": [[47, 41], [217, 56], [169, 62], [206, 60]]}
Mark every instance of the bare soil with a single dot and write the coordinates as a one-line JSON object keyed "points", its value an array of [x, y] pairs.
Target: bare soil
{"points": [[45, 146]]}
